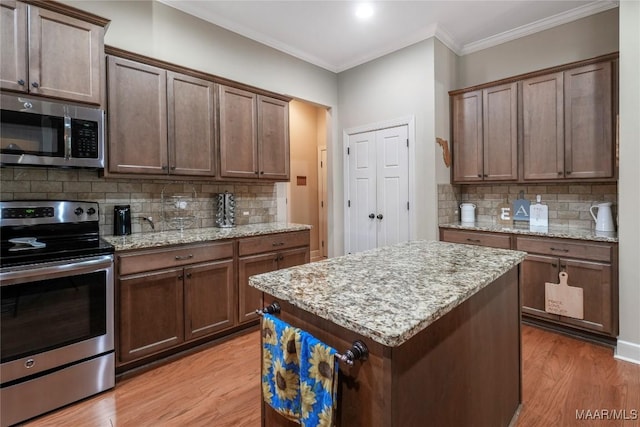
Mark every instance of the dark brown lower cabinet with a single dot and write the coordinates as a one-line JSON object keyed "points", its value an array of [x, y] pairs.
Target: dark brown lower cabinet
{"points": [[590, 265], [160, 310], [170, 299], [593, 277], [151, 313], [262, 255], [208, 298]]}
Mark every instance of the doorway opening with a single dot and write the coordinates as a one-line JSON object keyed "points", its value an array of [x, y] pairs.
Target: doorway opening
{"points": [[304, 197]]}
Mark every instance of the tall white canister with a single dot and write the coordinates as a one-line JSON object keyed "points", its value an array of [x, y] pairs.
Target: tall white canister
{"points": [[468, 212]]}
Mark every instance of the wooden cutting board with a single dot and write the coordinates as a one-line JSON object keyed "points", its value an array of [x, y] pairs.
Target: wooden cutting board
{"points": [[562, 299]]}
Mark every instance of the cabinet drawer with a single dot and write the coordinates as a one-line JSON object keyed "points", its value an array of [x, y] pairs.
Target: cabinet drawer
{"points": [[477, 238], [273, 242], [156, 259], [560, 248]]}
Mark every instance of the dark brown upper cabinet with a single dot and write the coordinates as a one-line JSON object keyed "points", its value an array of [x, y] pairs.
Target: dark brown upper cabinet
{"points": [[567, 124], [557, 126], [588, 122], [160, 122], [543, 127], [46, 52], [485, 138], [254, 135], [137, 118]]}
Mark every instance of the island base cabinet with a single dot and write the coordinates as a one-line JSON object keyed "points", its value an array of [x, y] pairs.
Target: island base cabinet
{"points": [[464, 369]]}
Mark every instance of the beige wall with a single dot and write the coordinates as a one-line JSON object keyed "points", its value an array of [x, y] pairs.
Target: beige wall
{"points": [[304, 130], [396, 86], [629, 229], [585, 38], [446, 70]]}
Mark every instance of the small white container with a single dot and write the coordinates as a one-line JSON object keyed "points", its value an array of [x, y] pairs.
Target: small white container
{"points": [[468, 213]]}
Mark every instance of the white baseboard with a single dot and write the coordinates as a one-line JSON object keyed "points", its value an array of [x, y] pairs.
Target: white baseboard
{"points": [[628, 351]]}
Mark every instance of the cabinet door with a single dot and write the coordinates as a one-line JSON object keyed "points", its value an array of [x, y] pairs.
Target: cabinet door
{"points": [[588, 122], [249, 298], [467, 137], [536, 270], [293, 257], [500, 125], [137, 118], [595, 280], [542, 121], [209, 302], [151, 313], [13, 45], [238, 137], [273, 138], [190, 118], [65, 56]]}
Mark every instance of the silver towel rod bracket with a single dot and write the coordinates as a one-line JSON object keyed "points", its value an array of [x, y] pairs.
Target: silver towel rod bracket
{"points": [[358, 350]]}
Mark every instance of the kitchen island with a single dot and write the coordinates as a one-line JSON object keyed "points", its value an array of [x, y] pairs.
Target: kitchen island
{"points": [[441, 322]]}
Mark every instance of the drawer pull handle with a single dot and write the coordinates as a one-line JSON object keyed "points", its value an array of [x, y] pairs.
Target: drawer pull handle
{"points": [[473, 240], [560, 250], [277, 244], [182, 258]]}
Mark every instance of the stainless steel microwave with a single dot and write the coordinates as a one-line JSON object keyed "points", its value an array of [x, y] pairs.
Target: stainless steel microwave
{"points": [[48, 133]]}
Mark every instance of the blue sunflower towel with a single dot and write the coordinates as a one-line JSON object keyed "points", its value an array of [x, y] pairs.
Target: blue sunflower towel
{"points": [[299, 374]]}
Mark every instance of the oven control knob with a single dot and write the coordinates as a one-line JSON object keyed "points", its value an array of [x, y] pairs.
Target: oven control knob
{"points": [[91, 211], [79, 211]]}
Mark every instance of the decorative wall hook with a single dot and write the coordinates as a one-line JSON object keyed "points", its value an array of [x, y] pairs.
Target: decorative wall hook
{"points": [[446, 154]]}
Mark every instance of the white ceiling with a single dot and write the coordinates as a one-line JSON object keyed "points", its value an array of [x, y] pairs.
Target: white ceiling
{"points": [[327, 33]]}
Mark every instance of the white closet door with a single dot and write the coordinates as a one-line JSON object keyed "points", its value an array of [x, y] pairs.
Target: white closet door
{"points": [[392, 185], [378, 190], [362, 192]]}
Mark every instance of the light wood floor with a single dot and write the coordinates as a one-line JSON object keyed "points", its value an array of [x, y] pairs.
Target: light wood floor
{"points": [[220, 387]]}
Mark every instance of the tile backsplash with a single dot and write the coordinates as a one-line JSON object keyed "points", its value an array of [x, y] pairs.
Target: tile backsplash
{"points": [[255, 203], [568, 203]]}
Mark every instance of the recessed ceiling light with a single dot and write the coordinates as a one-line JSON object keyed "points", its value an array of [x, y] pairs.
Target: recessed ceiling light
{"points": [[364, 11]]}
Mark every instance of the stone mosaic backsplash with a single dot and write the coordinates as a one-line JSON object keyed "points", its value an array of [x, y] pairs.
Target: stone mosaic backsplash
{"points": [[568, 203], [144, 196]]}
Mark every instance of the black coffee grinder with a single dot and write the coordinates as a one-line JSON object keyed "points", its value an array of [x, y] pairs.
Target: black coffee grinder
{"points": [[121, 220]]}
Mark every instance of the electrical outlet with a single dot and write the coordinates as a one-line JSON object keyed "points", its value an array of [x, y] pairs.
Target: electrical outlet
{"points": [[245, 213]]}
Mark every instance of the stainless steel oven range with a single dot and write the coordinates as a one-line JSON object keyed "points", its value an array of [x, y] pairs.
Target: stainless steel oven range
{"points": [[57, 291]]}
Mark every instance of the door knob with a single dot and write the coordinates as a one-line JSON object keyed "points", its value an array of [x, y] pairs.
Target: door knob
{"points": [[371, 216], [379, 216]]}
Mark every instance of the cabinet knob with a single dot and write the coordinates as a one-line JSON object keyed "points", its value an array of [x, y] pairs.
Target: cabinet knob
{"points": [[559, 173], [261, 172], [35, 84], [568, 172], [479, 175], [256, 172], [21, 82], [173, 168], [188, 275], [164, 167], [180, 277], [379, 216], [371, 215]]}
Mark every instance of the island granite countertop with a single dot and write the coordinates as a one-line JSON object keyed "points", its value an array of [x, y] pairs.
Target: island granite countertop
{"points": [[390, 294], [196, 235], [563, 232]]}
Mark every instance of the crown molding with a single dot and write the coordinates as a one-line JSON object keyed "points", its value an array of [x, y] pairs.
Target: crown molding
{"points": [[537, 26]]}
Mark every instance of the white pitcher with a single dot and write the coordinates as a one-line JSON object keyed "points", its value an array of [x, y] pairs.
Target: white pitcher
{"points": [[604, 220]]}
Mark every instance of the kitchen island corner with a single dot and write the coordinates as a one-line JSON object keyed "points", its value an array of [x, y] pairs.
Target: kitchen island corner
{"points": [[441, 322]]}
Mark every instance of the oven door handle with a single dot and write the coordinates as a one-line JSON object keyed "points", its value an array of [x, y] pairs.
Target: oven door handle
{"points": [[55, 269]]}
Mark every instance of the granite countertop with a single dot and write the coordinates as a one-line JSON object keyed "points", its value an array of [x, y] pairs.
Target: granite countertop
{"points": [[176, 237], [551, 231], [390, 294]]}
